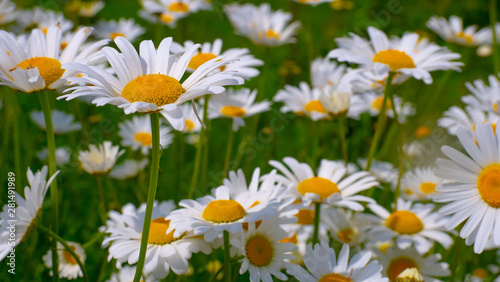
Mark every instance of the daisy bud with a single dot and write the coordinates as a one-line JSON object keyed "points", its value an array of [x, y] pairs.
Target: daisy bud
{"points": [[335, 102]]}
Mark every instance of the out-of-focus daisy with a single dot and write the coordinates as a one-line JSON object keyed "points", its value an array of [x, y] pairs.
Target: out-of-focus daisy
{"points": [[416, 150], [68, 267], [336, 100], [372, 103], [396, 260], [302, 100], [419, 184], [169, 11], [484, 51], [126, 273], [211, 215], [243, 65], [405, 56], [263, 253], [123, 27], [345, 226], [38, 18], [410, 224], [455, 118], [324, 72], [313, 2], [61, 121], [136, 133], [100, 160], [36, 65], [261, 25], [484, 97], [62, 155], [410, 274], [8, 12], [150, 81], [165, 249], [236, 104], [192, 125], [28, 210], [471, 193], [384, 172], [85, 9], [453, 31], [128, 169], [331, 185], [324, 265]]}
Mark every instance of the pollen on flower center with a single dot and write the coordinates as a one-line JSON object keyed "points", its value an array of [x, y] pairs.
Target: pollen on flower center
{"points": [[158, 89], [395, 59], [145, 138], [398, 265], [318, 185], [335, 277], [68, 257], [189, 124], [233, 111], [259, 250], [428, 187], [467, 37], [199, 59], [404, 222], [158, 232], [220, 211], [379, 101], [345, 235], [114, 35], [178, 7], [314, 105], [305, 217], [166, 18], [488, 185], [49, 68]]}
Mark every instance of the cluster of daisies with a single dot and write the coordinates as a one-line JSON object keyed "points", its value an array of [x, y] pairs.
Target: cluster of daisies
{"points": [[313, 224]]}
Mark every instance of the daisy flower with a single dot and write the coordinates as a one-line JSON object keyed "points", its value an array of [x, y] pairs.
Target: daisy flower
{"points": [[331, 185], [62, 122], [63, 155], [242, 62], [236, 104], [38, 18], [484, 97], [165, 250], [453, 31], [28, 209], [85, 9], [68, 267], [100, 160], [405, 56], [410, 224], [36, 64], [471, 193], [336, 100], [419, 184], [372, 103], [150, 81], [324, 265], [396, 260], [384, 172], [313, 2], [261, 25], [211, 215], [455, 118], [192, 124], [169, 11], [302, 101], [123, 27], [136, 133], [8, 12], [127, 273], [128, 169], [345, 226], [263, 253], [326, 73]]}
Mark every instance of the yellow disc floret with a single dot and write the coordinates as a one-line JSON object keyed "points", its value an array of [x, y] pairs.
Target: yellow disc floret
{"points": [[158, 89], [49, 68], [404, 222], [259, 250], [318, 185], [145, 138], [158, 232], [68, 257], [428, 187], [335, 277], [178, 7], [398, 265], [395, 59], [315, 105], [488, 185], [220, 211], [199, 59], [233, 111]]}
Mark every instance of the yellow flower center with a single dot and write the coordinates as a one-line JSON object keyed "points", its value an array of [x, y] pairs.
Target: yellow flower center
{"points": [[305, 217], [428, 187], [422, 131], [480, 273], [404, 222], [189, 124], [145, 138], [114, 35], [488, 185], [259, 250], [272, 34], [166, 18], [467, 37], [383, 247], [398, 265], [335, 277], [199, 59], [233, 111], [49, 68], [345, 235], [158, 232], [158, 89], [68, 257], [293, 239], [220, 211], [395, 59], [178, 7], [314, 105], [64, 45], [495, 106], [379, 101], [318, 185]]}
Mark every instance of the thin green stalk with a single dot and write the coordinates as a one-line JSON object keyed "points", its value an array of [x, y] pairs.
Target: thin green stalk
{"points": [[400, 128], [98, 236], [493, 20], [317, 211], [456, 259], [343, 142], [68, 249], [229, 150], [17, 141], [199, 153], [380, 122], [227, 257], [314, 142], [102, 200], [54, 193], [155, 166], [204, 160]]}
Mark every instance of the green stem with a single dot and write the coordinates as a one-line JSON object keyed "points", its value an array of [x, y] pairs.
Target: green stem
{"points": [[67, 247], [317, 211], [314, 142], [54, 193], [102, 199], [456, 259], [343, 142], [199, 151], [17, 141], [380, 122], [400, 128], [206, 143], [229, 149], [227, 257], [98, 236], [493, 20], [155, 166]]}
